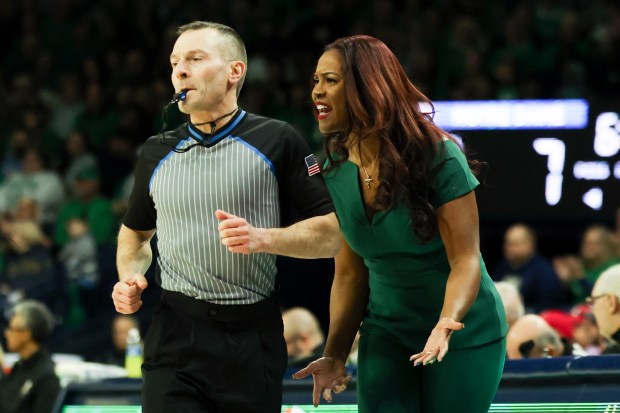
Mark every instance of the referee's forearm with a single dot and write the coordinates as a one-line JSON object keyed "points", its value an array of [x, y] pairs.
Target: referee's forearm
{"points": [[134, 254], [317, 237]]}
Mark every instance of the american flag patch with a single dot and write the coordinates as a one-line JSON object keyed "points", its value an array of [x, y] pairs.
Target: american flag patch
{"points": [[313, 166]]}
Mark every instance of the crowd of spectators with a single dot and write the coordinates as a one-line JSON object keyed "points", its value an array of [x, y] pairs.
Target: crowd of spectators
{"points": [[551, 305], [84, 84]]}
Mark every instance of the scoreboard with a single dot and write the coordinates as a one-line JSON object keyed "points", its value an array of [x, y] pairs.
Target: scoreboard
{"points": [[547, 159]]}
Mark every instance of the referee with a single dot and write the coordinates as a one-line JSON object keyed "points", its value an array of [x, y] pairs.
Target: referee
{"points": [[215, 190]]}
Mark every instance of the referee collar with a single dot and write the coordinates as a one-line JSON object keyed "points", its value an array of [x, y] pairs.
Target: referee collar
{"points": [[209, 140]]}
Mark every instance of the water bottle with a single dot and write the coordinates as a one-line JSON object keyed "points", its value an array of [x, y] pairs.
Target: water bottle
{"points": [[133, 354]]}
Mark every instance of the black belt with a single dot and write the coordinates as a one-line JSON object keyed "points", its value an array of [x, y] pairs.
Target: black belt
{"points": [[237, 314]]}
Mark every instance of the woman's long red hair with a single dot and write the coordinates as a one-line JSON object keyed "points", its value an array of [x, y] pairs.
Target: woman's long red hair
{"points": [[381, 97]]}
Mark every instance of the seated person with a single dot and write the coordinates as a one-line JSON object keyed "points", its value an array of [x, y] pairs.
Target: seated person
{"points": [[586, 333], [34, 181], [303, 335], [89, 205], [597, 253], [539, 285], [532, 337], [29, 266], [121, 324], [605, 301], [577, 329], [32, 385]]}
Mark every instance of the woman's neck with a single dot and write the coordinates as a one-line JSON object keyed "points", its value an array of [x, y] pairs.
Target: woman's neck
{"points": [[365, 150]]}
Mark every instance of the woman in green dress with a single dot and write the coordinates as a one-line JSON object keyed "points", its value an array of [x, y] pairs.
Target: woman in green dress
{"points": [[410, 270]]}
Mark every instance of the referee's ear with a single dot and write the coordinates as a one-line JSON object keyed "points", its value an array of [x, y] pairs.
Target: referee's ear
{"points": [[237, 73]]}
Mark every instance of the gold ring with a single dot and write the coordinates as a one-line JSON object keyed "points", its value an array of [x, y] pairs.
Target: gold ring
{"points": [[429, 352]]}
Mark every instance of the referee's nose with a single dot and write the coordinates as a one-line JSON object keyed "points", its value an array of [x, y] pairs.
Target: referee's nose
{"points": [[181, 70]]}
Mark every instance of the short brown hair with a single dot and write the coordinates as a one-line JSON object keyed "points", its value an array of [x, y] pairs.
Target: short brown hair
{"points": [[233, 46]]}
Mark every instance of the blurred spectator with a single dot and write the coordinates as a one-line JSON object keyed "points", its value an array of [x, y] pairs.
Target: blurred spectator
{"points": [[65, 105], [513, 303], [27, 210], [506, 77], [597, 254], [605, 302], [115, 354], [303, 336], [32, 385], [538, 283], [578, 333], [90, 206], [77, 158], [532, 337], [18, 142], [117, 161], [81, 270], [561, 321], [597, 251], [34, 181], [586, 333], [34, 118], [79, 255], [29, 268]]}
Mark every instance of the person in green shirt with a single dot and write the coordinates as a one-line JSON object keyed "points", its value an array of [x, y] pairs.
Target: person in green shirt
{"points": [[410, 270], [597, 254], [89, 205]]}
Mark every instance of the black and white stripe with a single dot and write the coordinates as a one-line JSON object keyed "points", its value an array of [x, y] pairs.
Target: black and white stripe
{"points": [[230, 176]]}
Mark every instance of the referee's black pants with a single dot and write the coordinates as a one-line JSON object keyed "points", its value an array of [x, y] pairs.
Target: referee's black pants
{"points": [[209, 358]]}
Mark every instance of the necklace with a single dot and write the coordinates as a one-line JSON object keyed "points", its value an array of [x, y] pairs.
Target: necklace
{"points": [[368, 178]]}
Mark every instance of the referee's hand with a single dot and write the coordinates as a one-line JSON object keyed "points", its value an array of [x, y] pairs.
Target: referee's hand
{"points": [[127, 294], [237, 234]]}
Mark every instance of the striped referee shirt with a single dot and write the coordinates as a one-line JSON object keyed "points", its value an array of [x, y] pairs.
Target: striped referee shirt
{"points": [[256, 168]]}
